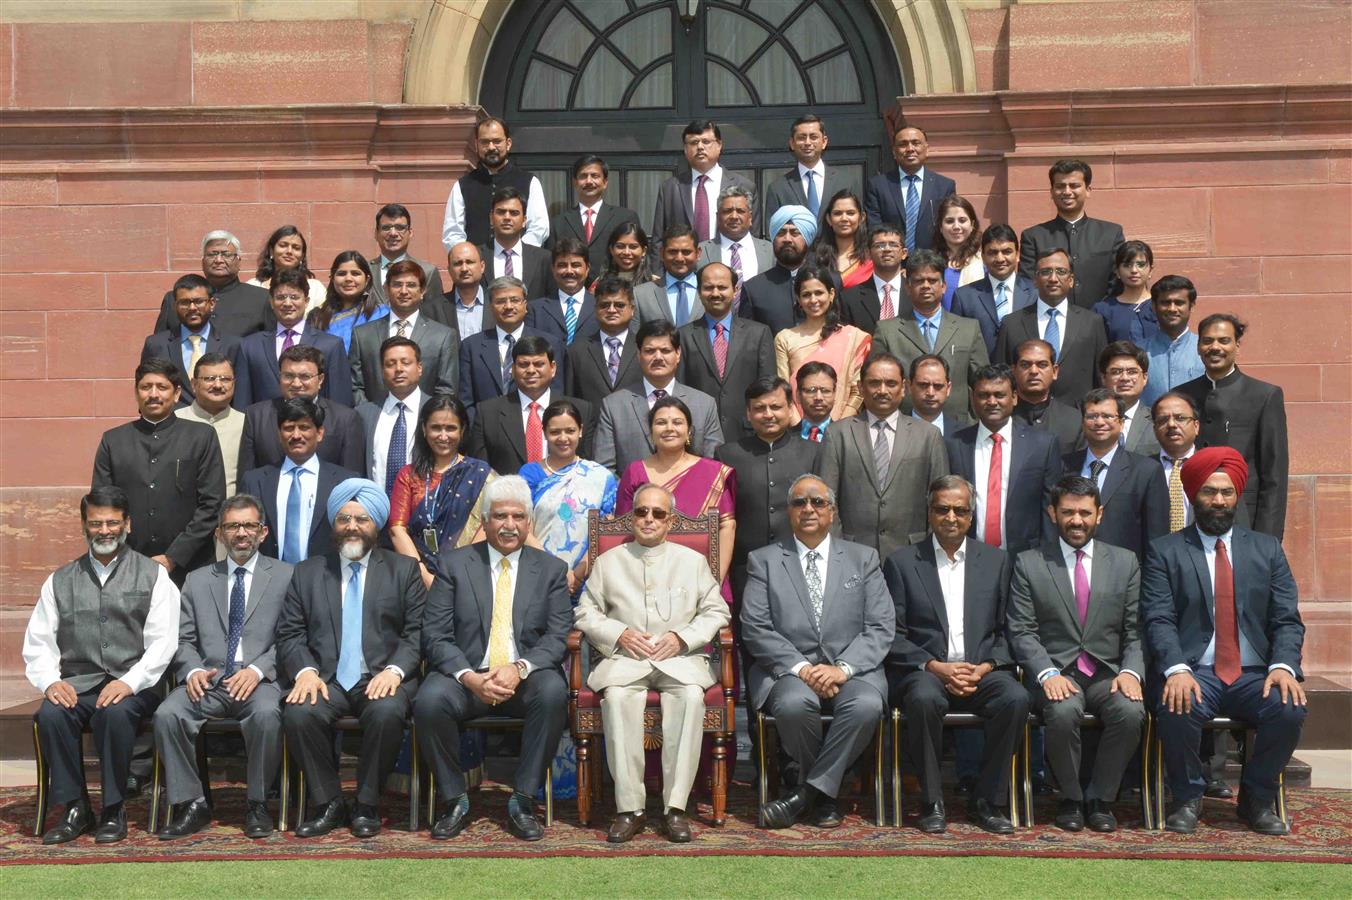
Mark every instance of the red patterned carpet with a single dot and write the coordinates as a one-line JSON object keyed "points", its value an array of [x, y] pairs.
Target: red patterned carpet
{"points": [[1322, 833]]}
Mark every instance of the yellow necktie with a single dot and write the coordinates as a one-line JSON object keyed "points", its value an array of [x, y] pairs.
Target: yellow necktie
{"points": [[1178, 516], [196, 354], [500, 632]]}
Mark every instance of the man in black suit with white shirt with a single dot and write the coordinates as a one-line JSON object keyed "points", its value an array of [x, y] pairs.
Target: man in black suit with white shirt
{"points": [[909, 195], [591, 219]]}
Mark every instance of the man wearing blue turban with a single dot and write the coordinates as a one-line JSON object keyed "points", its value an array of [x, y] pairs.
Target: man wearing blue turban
{"points": [[348, 642], [768, 298]]}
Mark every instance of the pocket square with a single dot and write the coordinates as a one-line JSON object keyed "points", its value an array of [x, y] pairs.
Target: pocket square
{"points": [[852, 581]]}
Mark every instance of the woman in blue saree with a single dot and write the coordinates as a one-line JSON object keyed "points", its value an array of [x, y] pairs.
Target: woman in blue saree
{"points": [[348, 301]]}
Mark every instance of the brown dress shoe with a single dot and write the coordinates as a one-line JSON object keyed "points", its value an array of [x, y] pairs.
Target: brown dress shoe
{"points": [[677, 826], [624, 827]]}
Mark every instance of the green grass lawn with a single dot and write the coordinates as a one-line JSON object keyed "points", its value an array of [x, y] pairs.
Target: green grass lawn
{"points": [[703, 877]]}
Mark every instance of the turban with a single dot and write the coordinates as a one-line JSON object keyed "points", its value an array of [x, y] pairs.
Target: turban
{"points": [[1205, 463], [364, 491], [798, 215]]}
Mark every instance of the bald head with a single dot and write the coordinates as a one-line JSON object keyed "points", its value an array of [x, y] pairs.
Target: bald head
{"points": [[717, 288], [465, 265]]}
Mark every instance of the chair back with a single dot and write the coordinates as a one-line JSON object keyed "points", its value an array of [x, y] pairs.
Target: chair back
{"points": [[699, 534]]}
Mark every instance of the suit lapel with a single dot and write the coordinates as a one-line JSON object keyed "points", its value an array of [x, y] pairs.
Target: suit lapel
{"points": [[512, 426], [684, 184], [796, 578], [324, 484], [1018, 457], [1099, 580], [796, 185], [481, 581], [835, 576], [983, 291], [270, 484], [488, 355], [1116, 474], [221, 592], [929, 577], [900, 433], [551, 308], [638, 405], [909, 328], [333, 573], [262, 576], [706, 349], [864, 445], [948, 327], [1198, 556], [527, 576], [1060, 577], [600, 226]]}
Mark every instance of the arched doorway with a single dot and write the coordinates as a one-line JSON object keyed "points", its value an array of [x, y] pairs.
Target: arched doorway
{"points": [[623, 77]]}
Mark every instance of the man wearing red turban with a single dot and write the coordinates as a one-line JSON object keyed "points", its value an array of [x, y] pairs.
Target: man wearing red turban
{"points": [[1222, 625]]}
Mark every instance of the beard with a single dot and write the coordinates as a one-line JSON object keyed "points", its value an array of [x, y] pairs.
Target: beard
{"points": [[108, 546], [1214, 521], [788, 256], [353, 548]]}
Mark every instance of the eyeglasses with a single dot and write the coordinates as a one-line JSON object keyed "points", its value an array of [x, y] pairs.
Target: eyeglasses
{"points": [[361, 519], [656, 513], [246, 527], [220, 254], [1206, 492], [701, 142], [961, 512], [300, 377], [1166, 418], [1134, 372], [817, 391], [1100, 417], [816, 502], [1048, 272], [194, 301], [886, 245], [396, 229], [216, 379]]}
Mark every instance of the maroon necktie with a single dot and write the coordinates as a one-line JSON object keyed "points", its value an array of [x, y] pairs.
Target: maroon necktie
{"points": [[702, 209], [1227, 626], [721, 348], [888, 311]]}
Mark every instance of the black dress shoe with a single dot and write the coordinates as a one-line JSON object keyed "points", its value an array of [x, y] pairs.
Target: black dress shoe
{"points": [[1183, 819], [988, 817], [826, 814], [1217, 789], [365, 821], [331, 815], [624, 827], [677, 826], [453, 819], [1261, 817], [112, 826], [189, 818], [257, 821], [932, 818], [784, 811], [1101, 818], [521, 819], [77, 820], [1070, 815]]}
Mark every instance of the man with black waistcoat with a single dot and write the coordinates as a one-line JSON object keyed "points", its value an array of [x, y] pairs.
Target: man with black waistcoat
{"points": [[1035, 371], [469, 203]]}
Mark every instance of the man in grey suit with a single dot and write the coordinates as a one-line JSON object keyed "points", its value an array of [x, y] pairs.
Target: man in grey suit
{"points": [[734, 245], [1124, 369], [880, 462], [675, 297], [818, 621], [927, 329], [484, 660], [439, 344], [690, 197], [1073, 625], [227, 663], [811, 182], [394, 232], [622, 431]]}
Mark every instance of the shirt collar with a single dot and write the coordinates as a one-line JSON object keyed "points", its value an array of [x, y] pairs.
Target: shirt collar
{"points": [[1075, 221], [1062, 308], [891, 420], [311, 465], [714, 174], [577, 298], [1006, 431], [941, 555], [1131, 411], [1166, 458], [934, 319], [364, 562], [726, 320], [386, 263], [1068, 552], [727, 243], [1007, 282], [819, 170], [298, 328], [516, 335], [248, 565], [824, 548], [878, 283], [1106, 459], [413, 401], [515, 248], [478, 299], [808, 426], [411, 319], [919, 173], [184, 333], [1209, 540], [103, 571], [689, 280], [937, 423], [526, 401], [649, 387], [495, 558], [1225, 377], [595, 208]]}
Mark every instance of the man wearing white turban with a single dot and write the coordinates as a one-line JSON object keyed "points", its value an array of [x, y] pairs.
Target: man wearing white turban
{"points": [[768, 298], [348, 643]]}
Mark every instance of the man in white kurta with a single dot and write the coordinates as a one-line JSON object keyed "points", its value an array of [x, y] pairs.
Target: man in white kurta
{"points": [[650, 608]]}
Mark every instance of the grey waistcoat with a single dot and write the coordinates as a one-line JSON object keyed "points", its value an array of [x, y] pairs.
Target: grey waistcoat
{"points": [[100, 627]]}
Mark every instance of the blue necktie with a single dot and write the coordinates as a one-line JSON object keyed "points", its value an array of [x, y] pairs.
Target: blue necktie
{"points": [[570, 318], [507, 364], [398, 452], [349, 654], [682, 304], [912, 210], [814, 200], [236, 622], [291, 552], [1000, 301], [928, 326], [613, 361], [1053, 334]]}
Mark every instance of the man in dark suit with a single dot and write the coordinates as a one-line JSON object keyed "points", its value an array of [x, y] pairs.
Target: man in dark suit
{"points": [[928, 386], [879, 462], [438, 344], [1244, 413], [258, 375], [735, 246], [1223, 628], [241, 308], [724, 355], [815, 387], [509, 253], [818, 621], [1124, 369], [302, 375], [811, 182], [1002, 291], [227, 668], [394, 232], [570, 313], [389, 427], [194, 337], [1135, 500], [674, 296], [1073, 611], [1089, 244], [1075, 334], [590, 220], [926, 329], [882, 297], [1011, 465], [909, 195], [486, 358], [1035, 371], [171, 471], [348, 643], [508, 431], [691, 196], [495, 634], [769, 297], [608, 360], [294, 492], [950, 653], [466, 300]]}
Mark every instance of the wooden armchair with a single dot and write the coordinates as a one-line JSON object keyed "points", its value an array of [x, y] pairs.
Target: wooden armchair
{"points": [[584, 705]]}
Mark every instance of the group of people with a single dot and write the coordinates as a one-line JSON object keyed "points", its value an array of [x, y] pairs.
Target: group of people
{"points": [[952, 468]]}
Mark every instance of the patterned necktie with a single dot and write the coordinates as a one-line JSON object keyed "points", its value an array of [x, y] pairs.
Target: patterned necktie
{"points": [[397, 456], [1000, 301], [721, 348], [815, 434], [570, 318], [994, 490], [401, 328], [927, 326], [613, 360], [588, 224], [507, 269], [682, 303], [701, 211], [888, 310], [1085, 663], [237, 601], [882, 455], [288, 339], [735, 263], [350, 652], [1053, 333], [1178, 509], [291, 552], [813, 577], [535, 434], [195, 353], [912, 210], [500, 630], [1227, 625], [1096, 468], [814, 200], [507, 362], [658, 394]]}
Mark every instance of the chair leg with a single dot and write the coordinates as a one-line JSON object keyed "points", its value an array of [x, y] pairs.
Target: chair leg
{"points": [[1147, 812], [203, 772], [1025, 770], [762, 777], [879, 796], [414, 783], [1015, 819], [584, 780], [720, 775], [156, 775], [284, 806], [1281, 799], [431, 797], [300, 795], [549, 794], [1157, 777], [43, 775], [896, 768]]}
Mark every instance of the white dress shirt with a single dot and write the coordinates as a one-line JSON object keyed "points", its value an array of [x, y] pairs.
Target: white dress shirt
{"points": [[159, 634], [500, 260], [525, 409], [1043, 319], [504, 349], [824, 549], [495, 559], [411, 322], [953, 585], [345, 570], [1127, 418], [890, 432], [230, 568], [1167, 465], [746, 252], [1009, 294], [537, 217], [298, 328], [711, 189], [380, 441], [649, 387], [981, 468], [309, 486]]}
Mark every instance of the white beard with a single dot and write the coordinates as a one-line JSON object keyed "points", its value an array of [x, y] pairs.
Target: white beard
{"points": [[108, 547], [352, 550]]}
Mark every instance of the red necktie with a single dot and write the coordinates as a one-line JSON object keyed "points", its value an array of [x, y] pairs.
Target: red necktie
{"points": [[994, 485], [721, 348], [888, 311], [588, 225], [814, 433], [535, 435], [1227, 627], [702, 209]]}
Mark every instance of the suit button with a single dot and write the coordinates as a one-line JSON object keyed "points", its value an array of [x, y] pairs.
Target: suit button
{"points": [[151, 485], [772, 509], [152, 512], [770, 459], [105, 645], [103, 618], [154, 459], [772, 484]]}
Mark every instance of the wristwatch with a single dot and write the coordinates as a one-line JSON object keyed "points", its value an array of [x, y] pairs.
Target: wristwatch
{"points": [[522, 668]]}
